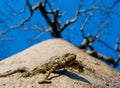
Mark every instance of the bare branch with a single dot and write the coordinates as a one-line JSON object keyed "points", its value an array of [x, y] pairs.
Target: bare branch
{"points": [[117, 48], [27, 19], [88, 41], [21, 23], [72, 20], [17, 13], [84, 24], [107, 59], [56, 28], [114, 4], [40, 35]]}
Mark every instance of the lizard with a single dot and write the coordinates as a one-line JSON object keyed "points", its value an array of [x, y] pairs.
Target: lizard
{"points": [[51, 65]]}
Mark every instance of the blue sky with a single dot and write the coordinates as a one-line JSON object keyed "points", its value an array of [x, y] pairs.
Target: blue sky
{"points": [[11, 14]]}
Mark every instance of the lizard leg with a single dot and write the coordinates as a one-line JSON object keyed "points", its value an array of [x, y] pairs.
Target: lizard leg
{"points": [[48, 74]]}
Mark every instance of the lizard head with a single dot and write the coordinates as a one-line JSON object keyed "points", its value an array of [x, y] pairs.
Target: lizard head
{"points": [[69, 58]]}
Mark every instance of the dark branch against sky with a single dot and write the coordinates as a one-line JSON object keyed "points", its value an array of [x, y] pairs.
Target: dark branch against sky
{"points": [[92, 26]]}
